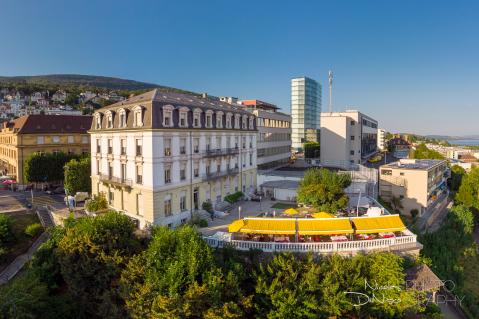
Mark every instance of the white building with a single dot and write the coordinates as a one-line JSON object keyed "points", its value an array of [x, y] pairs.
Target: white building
{"points": [[347, 138], [305, 111], [274, 134], [381, 139], [159, 156]]}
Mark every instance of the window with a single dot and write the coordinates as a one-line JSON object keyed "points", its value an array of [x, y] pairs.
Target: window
{"points": [[352, 137], [84, 139], [71, 139], [56, 152], [244, 123], [209, 120], [167, 206], [251, 123], [167, 117], [98, 121], [352, 123], [56, 139], [219, 120], [122, 118], [183, 118], [139, 174], [123, 147], [110, 146], [196, 145], [182, 173], [208, 170], [386, 172], [237, 121], [218, 168], [139, 204], [208, 144], [111, 196], [251, 142], [402, 173], [98, 170], [196, 170], [109, 119], [196, 118], [182, 145], [351, 152], [250, 159], [218, 143], [244, 142], [183, 201], [40, 139], [138, 118], [98, 146], [167, 146], [228, 120], [139, 147], [236, 142], [110, 170], [167, 176], [123, 172]]}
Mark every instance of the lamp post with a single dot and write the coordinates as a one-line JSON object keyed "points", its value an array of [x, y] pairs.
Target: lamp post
{"points": [[239, 212], [260, 208]]}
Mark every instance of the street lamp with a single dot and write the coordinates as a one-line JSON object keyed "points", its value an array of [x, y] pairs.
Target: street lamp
{"points": [[239, 212], [260, 209]]}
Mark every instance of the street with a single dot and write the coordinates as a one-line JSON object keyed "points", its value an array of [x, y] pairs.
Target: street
{"points": [[13, 201]]}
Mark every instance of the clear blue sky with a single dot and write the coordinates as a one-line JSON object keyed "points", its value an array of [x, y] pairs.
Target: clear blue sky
{"points": [[413, 65]]}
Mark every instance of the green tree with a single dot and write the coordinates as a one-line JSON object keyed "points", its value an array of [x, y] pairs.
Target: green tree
{"points": [[454, 182], [176, 277], [77, 175], [422, 152], [47, 167], [92, 254], [324, 190], [6, 233], [312, 149], [468, 193]]}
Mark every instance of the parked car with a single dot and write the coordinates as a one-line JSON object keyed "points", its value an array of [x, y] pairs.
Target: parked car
{"points": [[255, 198], [81, 196], [57, 190]]}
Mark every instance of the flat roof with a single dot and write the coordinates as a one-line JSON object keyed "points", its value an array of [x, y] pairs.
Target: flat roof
{"points": [[418, 164], [284, 184]]}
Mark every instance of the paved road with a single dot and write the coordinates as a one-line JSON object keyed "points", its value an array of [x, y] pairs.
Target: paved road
{"points": [[12, 201]]}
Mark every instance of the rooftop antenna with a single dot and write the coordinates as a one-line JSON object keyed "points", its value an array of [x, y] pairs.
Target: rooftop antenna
{"points": [[330, 75]]}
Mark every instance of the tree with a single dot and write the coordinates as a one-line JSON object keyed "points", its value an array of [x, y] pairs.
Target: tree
{"points": [[324, 190], [468, 193], [77, 176], [91, 255], [422, 152], [454, 182], [312, 150], [176, 277], [48, 167], [396, 203]]}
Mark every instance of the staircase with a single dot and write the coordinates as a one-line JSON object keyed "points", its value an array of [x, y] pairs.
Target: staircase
{"points": [[45, 217]]}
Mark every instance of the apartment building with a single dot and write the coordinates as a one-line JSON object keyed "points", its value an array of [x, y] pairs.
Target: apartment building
{"points": [[305, 111], [274, 134], [347, 138], [416, 184], [158, 156], [41, 134]]}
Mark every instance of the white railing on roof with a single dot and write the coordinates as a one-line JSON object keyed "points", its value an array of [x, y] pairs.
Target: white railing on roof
{"points": [[390, 244]]}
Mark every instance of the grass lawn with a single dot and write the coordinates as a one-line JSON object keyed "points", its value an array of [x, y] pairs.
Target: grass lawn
{"points": [[22, 242], [284, 206]]}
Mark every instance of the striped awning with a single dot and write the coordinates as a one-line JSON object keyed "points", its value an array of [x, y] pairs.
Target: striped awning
{"points": [[380, 224], [266, 226]]}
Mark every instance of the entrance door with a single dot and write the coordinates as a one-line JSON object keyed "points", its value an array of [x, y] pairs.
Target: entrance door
{"points": [[196, 198]]}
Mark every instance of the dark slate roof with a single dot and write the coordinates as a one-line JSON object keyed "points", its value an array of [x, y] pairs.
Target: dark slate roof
{"points": [[179, 99], [50, 124], [422, 278]]}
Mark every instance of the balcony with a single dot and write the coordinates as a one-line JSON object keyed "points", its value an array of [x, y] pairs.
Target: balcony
{"points": [[215, 175], [221, 152], [116, 181]]}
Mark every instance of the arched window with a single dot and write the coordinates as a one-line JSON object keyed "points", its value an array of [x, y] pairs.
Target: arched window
{"points": [[122, 118], [98, 121], [219, 119], [138, 116]]}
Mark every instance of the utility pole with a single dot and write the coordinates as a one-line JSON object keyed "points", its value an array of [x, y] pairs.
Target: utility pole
{"points": [[330, 76]]}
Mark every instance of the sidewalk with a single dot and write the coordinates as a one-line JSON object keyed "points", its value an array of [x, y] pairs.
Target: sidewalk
{"points": [[248, 209]]}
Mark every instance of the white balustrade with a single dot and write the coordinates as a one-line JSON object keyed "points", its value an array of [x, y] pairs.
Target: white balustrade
{"points": [[322, 247]]}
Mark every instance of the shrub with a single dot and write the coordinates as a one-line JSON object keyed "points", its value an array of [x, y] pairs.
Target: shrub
{"points": [[414, 213], [33, 229], [207, 206], [97, 204], [196, 220], [233, 198], [6, 233]]}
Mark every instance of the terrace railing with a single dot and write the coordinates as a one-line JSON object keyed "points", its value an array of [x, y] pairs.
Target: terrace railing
{"points": [[389, 244]]}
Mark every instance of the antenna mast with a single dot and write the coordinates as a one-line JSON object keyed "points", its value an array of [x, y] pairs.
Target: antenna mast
{"points": [[330, 75]]}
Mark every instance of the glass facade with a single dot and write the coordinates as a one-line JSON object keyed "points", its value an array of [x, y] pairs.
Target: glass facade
{"points": [[305, 110]]}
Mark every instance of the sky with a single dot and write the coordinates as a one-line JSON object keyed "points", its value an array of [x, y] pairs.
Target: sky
{"points": [[412, 65]]}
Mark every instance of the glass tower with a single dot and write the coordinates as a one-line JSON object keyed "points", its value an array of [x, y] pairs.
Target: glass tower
{"points": [[305, 111]]}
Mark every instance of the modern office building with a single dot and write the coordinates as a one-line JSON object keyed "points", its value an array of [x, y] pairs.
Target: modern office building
{"points": [[274, 134], [416, 184], [31, 134], [159, 156], [305, 111], [382, 146], [347, 138]]}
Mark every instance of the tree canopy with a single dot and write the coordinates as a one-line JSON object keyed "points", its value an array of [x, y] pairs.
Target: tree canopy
{"points": [[324, 190], [468, 193], [77, 175], [47, 167], [312, 149], [422, 152]]}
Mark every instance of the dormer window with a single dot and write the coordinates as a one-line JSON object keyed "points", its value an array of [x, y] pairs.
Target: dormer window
{"points": [[98, 121], [237, 121], [109, 120], [244, 123], [209, 119], [122, 118], [183, 122], [168, 116], [138, 116], [219, 119], [196, 118]]}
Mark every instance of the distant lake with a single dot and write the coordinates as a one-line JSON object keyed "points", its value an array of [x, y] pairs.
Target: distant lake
{"points": [[465, 142]]}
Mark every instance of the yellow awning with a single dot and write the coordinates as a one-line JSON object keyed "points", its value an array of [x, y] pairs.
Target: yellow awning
{"points": [[324, 226], [235, 226], [382, 224], [323, 215], [291, 211]]}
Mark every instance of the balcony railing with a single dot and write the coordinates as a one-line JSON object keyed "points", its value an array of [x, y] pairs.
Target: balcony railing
{"points": [[385, 244], [215, 175], [221, 152], [118, 181]]}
